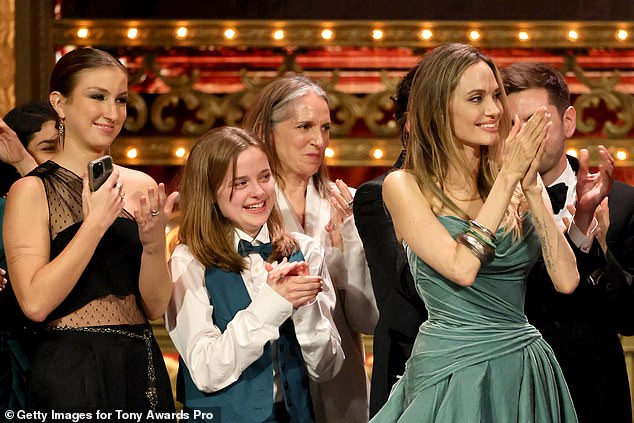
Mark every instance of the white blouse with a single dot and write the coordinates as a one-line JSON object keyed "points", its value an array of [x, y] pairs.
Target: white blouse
{"points": [[216, 359]]}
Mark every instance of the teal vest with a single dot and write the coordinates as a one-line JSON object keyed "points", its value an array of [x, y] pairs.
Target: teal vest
{"points": [[250, 398]]}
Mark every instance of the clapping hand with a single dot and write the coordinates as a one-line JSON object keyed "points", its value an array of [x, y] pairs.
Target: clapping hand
{"points": [[592, 188], [340, 199], [523, 143], [154, 211], [292, 281]]}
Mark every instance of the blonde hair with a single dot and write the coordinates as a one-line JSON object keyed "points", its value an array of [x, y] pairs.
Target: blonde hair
{"points": [[204, 229], [432, 148], [273, 105]]}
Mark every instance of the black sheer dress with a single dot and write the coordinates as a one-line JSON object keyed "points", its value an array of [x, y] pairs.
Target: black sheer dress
{"points": [[96, 350]]}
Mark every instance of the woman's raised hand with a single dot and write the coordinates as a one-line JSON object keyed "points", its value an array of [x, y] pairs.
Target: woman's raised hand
{"points": [[292, 281], [154, 211], [523, 143], [340, 199], [102, 207], [12, 151]]}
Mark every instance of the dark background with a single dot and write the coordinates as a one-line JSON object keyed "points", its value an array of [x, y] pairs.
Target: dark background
{"points": [[618, 10]]}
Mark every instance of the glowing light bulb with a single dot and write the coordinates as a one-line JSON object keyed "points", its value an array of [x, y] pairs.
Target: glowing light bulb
{"points": [[181, 32], [621, 154], [377, 153], [572, 152], [230, 34], [523, 36], [426, 34], [133, 33], [474, 35], [278, 34], [132, 153], [327, 34], [330, 153], [377, 34], [573, 35], [82, 33], [180, 152], [622, 35]]}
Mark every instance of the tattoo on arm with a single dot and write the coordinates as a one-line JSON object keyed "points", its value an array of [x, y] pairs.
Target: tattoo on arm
{"points": [[545, 241]]}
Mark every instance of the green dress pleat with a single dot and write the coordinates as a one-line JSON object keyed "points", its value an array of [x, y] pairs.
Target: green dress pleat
{"points": [[477, 359]]}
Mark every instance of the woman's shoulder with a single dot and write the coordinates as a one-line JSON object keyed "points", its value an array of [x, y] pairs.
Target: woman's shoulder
{"points": [[401, 185], [27, 186], [135, 176], [27, 200], [135, 180], [399, 176]]}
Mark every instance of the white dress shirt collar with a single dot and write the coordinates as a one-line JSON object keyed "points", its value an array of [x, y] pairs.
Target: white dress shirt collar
{"points": [[261, 238]]}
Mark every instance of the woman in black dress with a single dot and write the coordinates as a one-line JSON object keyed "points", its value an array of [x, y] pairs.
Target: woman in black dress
{"points": [[90, 266]]}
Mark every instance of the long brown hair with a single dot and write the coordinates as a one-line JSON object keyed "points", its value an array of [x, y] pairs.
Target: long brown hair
{"points": [[272, 106], [208, 234], [433, 148]]}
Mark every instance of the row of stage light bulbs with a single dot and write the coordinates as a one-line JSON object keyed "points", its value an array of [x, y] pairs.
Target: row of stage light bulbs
{"points": [[376, 153], [329, 34]]}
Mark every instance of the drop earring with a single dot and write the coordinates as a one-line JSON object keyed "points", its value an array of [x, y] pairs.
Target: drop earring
{"points": [[61, 133]]}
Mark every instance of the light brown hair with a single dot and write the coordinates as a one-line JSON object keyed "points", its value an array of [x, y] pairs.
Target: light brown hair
{"points": [[432, 148], [208, 234]]}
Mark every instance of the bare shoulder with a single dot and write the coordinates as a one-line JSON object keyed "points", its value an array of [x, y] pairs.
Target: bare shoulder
{"points": [[26, 200], [401, 186], [134, 179], [29, 188]]}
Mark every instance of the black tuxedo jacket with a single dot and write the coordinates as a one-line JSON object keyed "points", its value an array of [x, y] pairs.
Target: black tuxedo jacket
{"points": [[583, 327], [401, 310]]}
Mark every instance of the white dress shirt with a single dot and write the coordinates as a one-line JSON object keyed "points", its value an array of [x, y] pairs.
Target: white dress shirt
{"points": [[346, 397], [216, 359]]}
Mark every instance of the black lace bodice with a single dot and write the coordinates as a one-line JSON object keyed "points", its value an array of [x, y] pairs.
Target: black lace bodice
{"points": [[113, 271]]}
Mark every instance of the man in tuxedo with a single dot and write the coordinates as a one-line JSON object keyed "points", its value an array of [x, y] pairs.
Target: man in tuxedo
{"points": [[401, 310], [583, 328]]}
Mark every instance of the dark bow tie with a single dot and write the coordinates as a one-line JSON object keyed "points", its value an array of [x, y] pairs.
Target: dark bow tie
{"points": [[557, 194], [245, 248]]}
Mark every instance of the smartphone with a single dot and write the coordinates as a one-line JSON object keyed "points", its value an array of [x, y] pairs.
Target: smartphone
{"points": [[98, 171]]}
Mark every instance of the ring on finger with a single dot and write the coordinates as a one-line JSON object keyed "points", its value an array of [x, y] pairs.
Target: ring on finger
{"points": [[118, 186], [350, 203], [154, 213]]}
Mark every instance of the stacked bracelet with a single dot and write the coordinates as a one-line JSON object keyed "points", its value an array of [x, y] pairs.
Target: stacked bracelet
{"points": [[483, 239], [481, 250], [475, 224]]}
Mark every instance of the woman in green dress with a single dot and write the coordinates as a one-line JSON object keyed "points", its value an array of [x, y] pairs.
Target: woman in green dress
{"points": [[470, 211]]}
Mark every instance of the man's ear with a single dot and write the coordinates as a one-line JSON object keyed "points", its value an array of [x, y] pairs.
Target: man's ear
{"points": [[57, 100], [569, 121]]}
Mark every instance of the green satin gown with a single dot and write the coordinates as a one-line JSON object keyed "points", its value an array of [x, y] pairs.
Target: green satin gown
{"points": [[477, 359]]}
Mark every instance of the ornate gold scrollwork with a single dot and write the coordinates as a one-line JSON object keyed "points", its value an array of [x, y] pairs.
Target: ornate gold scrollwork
{"points": [[137, 113], [206, 107], [376, 107], [137, 107], [602, 90], [344, 108], [236, 104]]}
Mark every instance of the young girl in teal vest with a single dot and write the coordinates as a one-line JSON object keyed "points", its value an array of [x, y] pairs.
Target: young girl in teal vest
{"points": [[251, 314]]}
